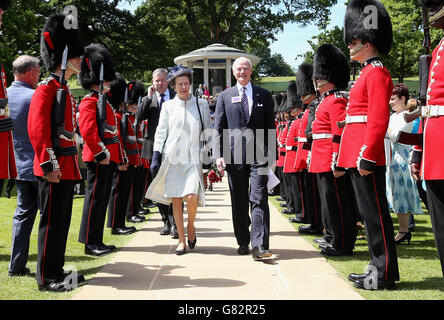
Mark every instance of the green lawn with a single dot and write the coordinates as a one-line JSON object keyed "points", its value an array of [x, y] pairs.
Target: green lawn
{"points": [[25, 288], [419, 265]]}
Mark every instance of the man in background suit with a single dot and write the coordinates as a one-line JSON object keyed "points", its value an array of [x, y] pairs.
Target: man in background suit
{"points": [[150, 109], [244, 112]]}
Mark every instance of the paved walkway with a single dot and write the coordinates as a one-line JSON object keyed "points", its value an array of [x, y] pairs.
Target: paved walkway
{"points": [[148, 268]]}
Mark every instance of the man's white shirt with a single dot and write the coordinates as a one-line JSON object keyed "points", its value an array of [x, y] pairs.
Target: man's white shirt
{"points": [[248, 92]]}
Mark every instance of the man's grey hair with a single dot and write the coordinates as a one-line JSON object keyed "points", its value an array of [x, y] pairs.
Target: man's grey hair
{"points": [[238, 60], [160, 70], [24, 64]]}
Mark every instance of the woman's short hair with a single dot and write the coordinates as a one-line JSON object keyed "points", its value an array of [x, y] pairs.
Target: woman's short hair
{"points": [[401, 90], [412, 104]]}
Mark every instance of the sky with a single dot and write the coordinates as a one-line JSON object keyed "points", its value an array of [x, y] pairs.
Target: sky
{"points": [[293, 40]]}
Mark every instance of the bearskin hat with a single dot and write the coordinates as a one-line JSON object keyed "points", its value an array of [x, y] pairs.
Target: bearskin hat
{"points": [[136, 89], [304, 80], [293, 99], [95, 54], [357, 26], [55, 37], [116, 95], [4, 4], [330, 63], [283, 107], [277, 102]]}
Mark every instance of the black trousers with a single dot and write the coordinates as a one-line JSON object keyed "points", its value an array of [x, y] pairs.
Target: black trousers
{"points": [[120, 190], [55, 217], [147, 181], [373, 207], [297, 190], [248, 190], [290, 184], [337, 211], [435, 196], [98, 191], [312, 201], [280, 175], [137, 186]]}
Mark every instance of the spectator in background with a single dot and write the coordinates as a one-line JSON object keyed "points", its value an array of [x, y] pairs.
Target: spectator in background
{"points": [[402, 193], [206, 92], [199, 91], [26, 77]]}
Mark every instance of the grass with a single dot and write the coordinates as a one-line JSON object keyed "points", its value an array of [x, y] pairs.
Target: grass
{"points": [[25, 288], [419, 265]]}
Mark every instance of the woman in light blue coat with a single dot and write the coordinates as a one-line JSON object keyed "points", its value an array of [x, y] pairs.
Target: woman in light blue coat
{"points": [[177, 163]]}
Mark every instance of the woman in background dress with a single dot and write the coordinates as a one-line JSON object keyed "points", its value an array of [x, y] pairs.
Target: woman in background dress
{"points": [[177, 145], [402, 193]]}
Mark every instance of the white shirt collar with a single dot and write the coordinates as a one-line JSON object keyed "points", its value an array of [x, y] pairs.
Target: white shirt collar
{"points": [[167, 95], [248, 86]]}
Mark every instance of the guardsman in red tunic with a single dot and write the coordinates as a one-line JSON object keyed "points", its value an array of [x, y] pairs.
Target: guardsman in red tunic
{"points": [[283, 130], [51, 128], [279, 127], [102, 151], [426, 160], [8, 169], [117, 97], [311, 200], [362, 144], [331, 74], [136, 90], [294, 106]]}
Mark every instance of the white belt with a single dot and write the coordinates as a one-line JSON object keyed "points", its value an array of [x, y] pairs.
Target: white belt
{"points": [[2, 112], [432, 111], [317, 136], [114, 132], [132, 139], [355, 119], [302, 139], [288, 148]]}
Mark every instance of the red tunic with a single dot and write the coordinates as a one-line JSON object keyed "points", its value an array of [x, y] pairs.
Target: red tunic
{"points": [[300, 162], [330, 110], [432, 167], [8, 168], [132, 146], [39, 128], [281, 143], [369, 96], [291, 146], [94, 148]]}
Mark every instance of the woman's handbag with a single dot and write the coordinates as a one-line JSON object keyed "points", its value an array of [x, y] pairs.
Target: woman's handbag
{"points": [[205, 166]]}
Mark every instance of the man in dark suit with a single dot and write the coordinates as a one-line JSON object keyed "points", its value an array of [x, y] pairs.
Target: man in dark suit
{"points": [[158, 93], [246, 135]]}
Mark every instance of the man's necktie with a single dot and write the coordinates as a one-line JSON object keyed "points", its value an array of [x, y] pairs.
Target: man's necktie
{"points": [[162, 100], [245, 107]]}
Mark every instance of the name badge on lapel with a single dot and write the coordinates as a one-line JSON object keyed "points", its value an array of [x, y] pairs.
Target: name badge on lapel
{"points": [[236, 99]]}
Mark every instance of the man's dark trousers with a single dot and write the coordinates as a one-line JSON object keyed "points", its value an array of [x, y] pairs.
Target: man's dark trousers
{"points": [[247, 188], [22, 223]]}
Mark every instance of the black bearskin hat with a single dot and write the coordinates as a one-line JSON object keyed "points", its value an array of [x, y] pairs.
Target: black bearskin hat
{"points": [[358, 24], [116, 95], [283, 107], [136, 89], [293, 99], [54, 39], [95, 55], [4, 4], [330, 63], [304, 80], [277, 98]]}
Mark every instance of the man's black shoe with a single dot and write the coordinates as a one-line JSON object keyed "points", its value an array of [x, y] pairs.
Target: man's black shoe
{"points": [[320, 241], [332, 252], [123, 231], [371, 284], [296, 219], [286, 211], [243, 250], [310, 229], [143, 212], [260, 253], [283, 204], [109, 247], [96, 250], [135, 219], [357, 276], [166, 230], [174, 234], [22, 273]]}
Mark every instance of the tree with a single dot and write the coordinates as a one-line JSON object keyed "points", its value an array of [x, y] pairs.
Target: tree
{"points": [[272, 65]]}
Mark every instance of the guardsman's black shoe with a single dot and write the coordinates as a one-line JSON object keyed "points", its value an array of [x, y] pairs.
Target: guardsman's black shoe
{"points": [[369, 283], [332, 252], [123, 231], [135, 219], [21, 273], [310, 229], [96, 250]]}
